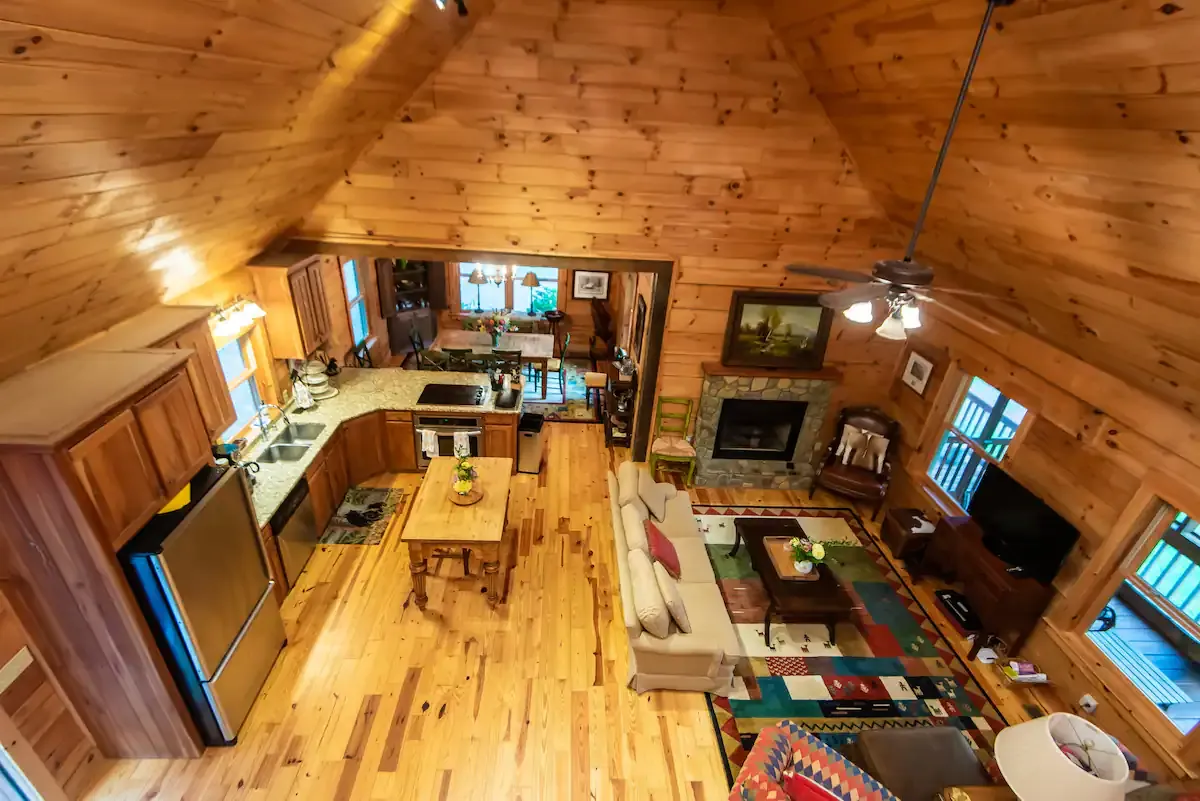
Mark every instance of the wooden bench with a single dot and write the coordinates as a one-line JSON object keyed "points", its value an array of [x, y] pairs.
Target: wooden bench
{"points": [[1153, 683]]}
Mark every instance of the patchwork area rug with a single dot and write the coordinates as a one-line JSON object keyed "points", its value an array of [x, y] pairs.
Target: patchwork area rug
{"points": [[364, 516], [889, 669], [571, 409]]}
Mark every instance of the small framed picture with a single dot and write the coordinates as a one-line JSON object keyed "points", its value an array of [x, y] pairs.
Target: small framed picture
{"points": [[590, 286], [917, 372]]}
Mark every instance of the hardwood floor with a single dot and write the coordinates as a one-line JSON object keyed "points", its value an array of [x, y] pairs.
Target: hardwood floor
{"points": [[374, 700]]}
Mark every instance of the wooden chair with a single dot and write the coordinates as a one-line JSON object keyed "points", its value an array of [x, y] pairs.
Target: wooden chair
{"points": [[458, 360], [506, 361], [559, 365], [593, 383], [672, 420], [361, 356], [859, 481]]}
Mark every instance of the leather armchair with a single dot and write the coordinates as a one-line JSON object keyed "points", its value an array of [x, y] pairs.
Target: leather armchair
{"points": [[852, 481]]}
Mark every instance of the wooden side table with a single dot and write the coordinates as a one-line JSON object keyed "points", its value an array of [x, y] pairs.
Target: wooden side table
{"points": [[897, 532]]}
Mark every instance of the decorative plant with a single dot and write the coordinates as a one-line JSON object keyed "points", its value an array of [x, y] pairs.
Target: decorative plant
{"points": [[492, 323], [464, 474], [805, 550]]}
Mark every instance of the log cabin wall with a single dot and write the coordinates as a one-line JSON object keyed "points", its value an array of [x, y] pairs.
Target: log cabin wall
{"points": [[1073, 183], [147, 146], [677, 130]]}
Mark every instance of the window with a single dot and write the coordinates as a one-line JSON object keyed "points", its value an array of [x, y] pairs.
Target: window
{"points": [[356, 303], [238, 365], [509, 293], [979, 432]]}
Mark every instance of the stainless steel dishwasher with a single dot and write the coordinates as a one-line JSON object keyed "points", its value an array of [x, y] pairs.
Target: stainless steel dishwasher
{"points": [[295, 530]]}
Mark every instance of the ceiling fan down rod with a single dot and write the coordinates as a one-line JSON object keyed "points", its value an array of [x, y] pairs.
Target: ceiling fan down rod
{"points": [[958, 104]]}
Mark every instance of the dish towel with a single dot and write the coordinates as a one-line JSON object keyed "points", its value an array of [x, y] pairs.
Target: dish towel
{"points": [[429, 442], [462, 443]]}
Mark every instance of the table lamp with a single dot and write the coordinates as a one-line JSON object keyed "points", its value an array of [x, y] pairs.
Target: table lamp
{"points": [[1041, 760], [478, 279], [530, 280]]}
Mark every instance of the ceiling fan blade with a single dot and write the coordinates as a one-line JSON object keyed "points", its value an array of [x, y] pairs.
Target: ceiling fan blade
{"points": [[974, 320], [845, 298], [969, 293], [829, 273]]}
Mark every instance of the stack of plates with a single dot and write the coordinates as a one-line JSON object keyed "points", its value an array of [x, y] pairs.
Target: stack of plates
{"points": [[317, 381]]}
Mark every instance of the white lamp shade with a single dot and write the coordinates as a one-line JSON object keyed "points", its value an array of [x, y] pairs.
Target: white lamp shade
{"points": [[254, 310], [910, 315], [1035, 768], [862, 312], [477, 277], [892, 328]]}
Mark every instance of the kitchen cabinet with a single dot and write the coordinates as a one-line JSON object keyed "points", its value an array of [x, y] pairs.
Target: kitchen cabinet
{"points": [[401, 450], [500, 436], [182, 328], [274, 563], [114, 465], [294, 298], [89, 442], [320, 493], [335, 464], [364, 438], [174, 430]]}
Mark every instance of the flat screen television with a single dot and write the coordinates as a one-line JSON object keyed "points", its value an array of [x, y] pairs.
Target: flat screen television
{"points": [[1019, 528]]}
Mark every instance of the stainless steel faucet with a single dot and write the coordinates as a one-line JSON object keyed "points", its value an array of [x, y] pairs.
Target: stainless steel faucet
{"points": [[264, 422]]}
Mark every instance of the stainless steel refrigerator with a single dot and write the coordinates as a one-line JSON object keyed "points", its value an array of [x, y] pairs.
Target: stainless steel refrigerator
{"points": [[201, 577]]}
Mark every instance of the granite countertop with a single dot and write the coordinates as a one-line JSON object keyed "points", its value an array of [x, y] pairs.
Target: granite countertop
{"points": [[361, 391]]}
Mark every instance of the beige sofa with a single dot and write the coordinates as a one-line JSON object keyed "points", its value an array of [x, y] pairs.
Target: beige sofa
{"points": [[704, 659]]}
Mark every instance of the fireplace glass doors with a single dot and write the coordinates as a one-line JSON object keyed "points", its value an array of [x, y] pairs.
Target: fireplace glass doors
{"points": [[758, 429]]}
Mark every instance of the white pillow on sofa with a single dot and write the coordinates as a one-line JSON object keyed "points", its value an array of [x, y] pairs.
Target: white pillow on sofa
{"points": [[647, 597], [627, 482], [634, 524], [672, 598], [654, 495]]}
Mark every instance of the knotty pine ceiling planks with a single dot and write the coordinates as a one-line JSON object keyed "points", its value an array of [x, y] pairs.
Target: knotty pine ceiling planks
{"points": [[149, 145], [1073, 183]]}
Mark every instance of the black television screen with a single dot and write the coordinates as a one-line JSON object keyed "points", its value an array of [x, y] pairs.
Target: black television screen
{"points": [[1018, 527]]}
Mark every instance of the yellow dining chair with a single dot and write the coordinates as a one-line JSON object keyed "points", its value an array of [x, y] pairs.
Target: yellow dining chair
{"points": [[671, 424]]}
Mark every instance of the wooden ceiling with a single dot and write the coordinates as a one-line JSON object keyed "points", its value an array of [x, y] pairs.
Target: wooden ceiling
{"points": [[1073, 184], [147, 145]]}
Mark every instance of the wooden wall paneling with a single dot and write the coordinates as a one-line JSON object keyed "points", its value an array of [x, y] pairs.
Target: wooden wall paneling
{"points": [[147, 150], [584, 130]]}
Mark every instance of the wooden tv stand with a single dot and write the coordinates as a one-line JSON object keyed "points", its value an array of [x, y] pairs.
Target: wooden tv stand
{"points": [[1008, 606]]}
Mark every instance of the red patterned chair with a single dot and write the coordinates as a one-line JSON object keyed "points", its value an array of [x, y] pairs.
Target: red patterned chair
{"points": [[789, 764]]}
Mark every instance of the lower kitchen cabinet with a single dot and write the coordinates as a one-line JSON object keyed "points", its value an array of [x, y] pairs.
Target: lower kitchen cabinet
{"points": [[274, 563], [364, 438], [320, 491], [401, 449], [500, 436], [335, 465]]}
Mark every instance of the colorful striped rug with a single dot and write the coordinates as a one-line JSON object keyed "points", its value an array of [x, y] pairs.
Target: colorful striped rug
{"points": [[889, 669]]}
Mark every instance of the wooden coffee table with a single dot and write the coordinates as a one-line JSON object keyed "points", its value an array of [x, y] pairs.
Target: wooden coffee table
{"points": [[820, 600]]}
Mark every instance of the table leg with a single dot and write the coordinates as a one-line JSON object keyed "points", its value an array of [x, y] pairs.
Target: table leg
{"points": [[767, 626], [419, 567], [737, 537], [491, 578], [545, 364], [832, 626]]}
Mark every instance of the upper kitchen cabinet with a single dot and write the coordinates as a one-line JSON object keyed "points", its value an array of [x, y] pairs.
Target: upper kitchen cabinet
{"points": [[293, 297], [184, 328], [93, 443]]}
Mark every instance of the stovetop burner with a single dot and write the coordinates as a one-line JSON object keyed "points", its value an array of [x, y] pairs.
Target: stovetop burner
{"points": [[453, 395]]}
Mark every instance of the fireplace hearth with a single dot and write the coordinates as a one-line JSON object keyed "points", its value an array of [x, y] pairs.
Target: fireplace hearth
{"points": [[759, 429]]}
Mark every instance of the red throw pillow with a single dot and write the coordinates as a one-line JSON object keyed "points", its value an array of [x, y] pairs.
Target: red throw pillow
{"points": [[662, 550], [801, 788]]}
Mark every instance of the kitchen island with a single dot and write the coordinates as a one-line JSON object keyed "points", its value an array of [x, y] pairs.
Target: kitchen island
{"points": [[363, 392]]}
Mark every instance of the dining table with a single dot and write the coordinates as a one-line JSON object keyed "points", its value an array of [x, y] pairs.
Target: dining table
{"points": [[536, 349]]}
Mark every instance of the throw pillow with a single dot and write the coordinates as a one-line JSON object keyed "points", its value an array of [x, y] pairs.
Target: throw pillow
{"points": [[654, 495], [635, 529], [672, 598], [877, 449], [662, 550], [854, 439], [647, 597], [627, 483], [800, 788]]}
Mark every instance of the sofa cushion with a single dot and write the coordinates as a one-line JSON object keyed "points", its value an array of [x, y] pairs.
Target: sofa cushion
{"points": [[627, 482], [848, 478], [615, 511], [711, 630], [634, 524], [662, 550], [680, 523], [674, 601], [653, 495], [633, 626], [694, 567], [647, 598]]}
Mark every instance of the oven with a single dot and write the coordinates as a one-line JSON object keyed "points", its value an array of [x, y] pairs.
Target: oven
{"points": [[444, 429]]}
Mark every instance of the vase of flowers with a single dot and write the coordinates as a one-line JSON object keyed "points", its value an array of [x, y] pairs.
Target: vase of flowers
{"points": [[464, 489], [493, 324], [806, 554]]}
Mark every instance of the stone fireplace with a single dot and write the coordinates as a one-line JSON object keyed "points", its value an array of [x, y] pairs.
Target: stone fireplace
{"points": [[759, 431]]}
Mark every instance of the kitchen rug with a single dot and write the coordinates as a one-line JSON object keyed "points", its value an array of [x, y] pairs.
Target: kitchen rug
{"points": [[889, 669], [364, 516]]}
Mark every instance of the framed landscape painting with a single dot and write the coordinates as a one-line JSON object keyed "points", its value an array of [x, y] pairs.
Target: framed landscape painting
{"points": [[776, 329]]}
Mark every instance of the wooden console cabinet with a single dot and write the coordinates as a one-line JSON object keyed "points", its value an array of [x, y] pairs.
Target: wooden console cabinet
{"points": [[1008, 606]]}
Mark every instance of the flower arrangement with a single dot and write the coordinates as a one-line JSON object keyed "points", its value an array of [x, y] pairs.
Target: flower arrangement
{"points": [[464, 475], [492, 323], [807, 554]]}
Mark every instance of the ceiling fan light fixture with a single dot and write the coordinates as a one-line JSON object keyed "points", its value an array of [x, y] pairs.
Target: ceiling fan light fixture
{"points": [[892, 328], [910, 315], [862, 312]]}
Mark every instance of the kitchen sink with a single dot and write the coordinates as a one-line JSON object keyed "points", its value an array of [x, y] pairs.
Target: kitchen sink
{"points": [[282, 453], [299, 432]]}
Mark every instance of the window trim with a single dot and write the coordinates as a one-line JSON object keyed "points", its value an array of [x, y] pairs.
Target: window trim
{"points": [[509, 289], [245, 341], [351, 302]]}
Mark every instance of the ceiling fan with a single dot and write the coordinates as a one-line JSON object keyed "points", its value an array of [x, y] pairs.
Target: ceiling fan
{"points": [[903, 283]]}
